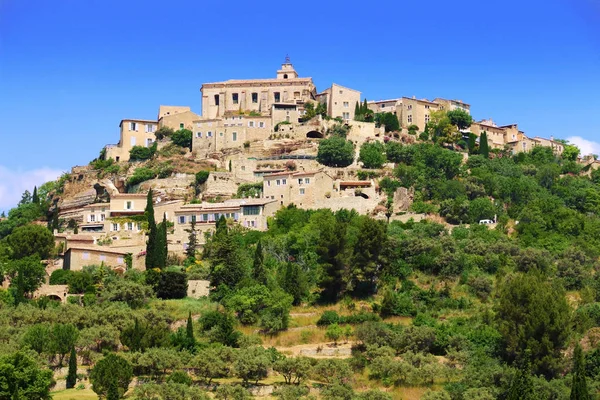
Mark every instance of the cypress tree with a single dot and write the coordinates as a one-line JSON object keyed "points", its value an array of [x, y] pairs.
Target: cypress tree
{"points": [[190, 252], [521, 387], [365, 108], [35, 198], [484, 149], [471, 143], [357, 109], [151, 243], [72, 375], [258, 271], [579, 389], [161, 247], [189, 331]]}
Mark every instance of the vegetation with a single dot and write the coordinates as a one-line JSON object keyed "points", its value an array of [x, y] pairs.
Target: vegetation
{"points": [[182, 138], [335, 151], [141, 153], [389, 120]]}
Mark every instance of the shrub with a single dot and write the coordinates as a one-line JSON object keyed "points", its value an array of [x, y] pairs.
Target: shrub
{"points": [[60, 277], [372, 155], [182, 138], [140, 153], [163, 132], [328, 317], [140, 175], [201, 177], [335, 152]]}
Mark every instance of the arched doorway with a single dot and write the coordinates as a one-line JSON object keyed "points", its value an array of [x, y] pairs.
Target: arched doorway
{"points": [[314, 135]]}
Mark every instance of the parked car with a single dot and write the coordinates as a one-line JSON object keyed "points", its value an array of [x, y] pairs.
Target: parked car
{"points": [[486, 222]]}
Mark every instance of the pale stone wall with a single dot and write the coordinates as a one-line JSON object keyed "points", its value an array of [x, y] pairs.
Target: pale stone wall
{"points": [[198, 288], [179, 120], [342, 101], [292, 188], [257, 95], [285, 112], [495, 134], [382, 106], [133, 133], [415, 112], [57, 291], [451, 105], [170, 110], [77, 258]]}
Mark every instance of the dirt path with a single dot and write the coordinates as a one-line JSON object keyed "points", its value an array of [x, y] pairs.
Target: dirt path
{"points": [[319, 350]]}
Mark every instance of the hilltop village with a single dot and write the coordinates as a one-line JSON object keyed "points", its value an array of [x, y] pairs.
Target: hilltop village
{"points": [[253, 150]]}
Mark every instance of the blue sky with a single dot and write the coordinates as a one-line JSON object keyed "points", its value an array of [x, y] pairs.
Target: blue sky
{"points": [[70, 70]]}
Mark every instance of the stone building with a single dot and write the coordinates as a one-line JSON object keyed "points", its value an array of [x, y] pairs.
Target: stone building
{"points": [[133, 132], [77, 257], [256, 95], [249, 213], [182, 119], [382, 106], [341, 101], [496, 135], [451, 105], [303, 188], [417, 112]]}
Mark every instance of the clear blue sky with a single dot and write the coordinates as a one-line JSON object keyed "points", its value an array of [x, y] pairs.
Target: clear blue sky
{"points": [[70, 70]]}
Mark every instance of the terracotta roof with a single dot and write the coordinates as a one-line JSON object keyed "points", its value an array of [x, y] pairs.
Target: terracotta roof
{"points": [[267, 80], [130, 195], [137, 120], [97, 205], [77, 237], [276, 174], [355, 183]]}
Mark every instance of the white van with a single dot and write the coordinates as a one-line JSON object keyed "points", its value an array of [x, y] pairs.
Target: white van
{"points": [[486, 222]]}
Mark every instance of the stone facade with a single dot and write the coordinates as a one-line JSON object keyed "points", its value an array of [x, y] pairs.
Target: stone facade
{"points": [[78, 257], [301, 188], [134, 132], [382, 106], [257, 95], [412, 111], [179, 120], [341, 101]]}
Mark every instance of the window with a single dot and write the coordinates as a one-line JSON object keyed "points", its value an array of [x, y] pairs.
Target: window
{"points": [[426, 118], [133, 126], [251, 124], [234, 136], [130, 226], [128, 205], [149, 142], [115, 227], [278, 182], [341, 91], [208, 134], [277, 97], [85, 255], [139, 226], [216, 99], [221, 134], [251, 210], [302, 191], [261, 124], [268, 183], [181, 219], [102, 257], [409, 107], [216, 216], [149, 128], [300, 181], [198, 134], [181, 125], [284, 181], [346, 105], [204, 217], [193, 218], [346, 115], [234, 98], [287, 118], [92, 218], [102, 217], [307, 181], [427, 107], [409, 118], [296, 95], [255, 98], [119, 260], [132, 141]]}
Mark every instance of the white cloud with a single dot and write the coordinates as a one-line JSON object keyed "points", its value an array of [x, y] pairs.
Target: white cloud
{"points": [[14, 183], [586, 146]]}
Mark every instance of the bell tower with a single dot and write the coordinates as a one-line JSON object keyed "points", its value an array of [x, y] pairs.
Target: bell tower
{"points": [[287, 70]]}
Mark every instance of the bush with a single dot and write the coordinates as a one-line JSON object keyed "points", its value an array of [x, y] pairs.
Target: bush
{"points": [[335, 152], [372, 155], [182, 138], [140, 175], [163, 132], [60, 277], [201, 177], [328, 318], [141, 153]]}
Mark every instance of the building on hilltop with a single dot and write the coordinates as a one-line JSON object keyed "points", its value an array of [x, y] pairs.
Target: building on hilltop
{"points": [[341, 101], [302, 188], [256, 95], [383, 106], [134, 132]]}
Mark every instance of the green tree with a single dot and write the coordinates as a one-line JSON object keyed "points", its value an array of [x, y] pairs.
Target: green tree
{"points": [[442, 129], [521, 385], [460, 118], [151, 244], [161, 251], [26, 275], [182, 138], [579, 389], [372, 155], [335, 152], [259, 272], [232, 392], [22, 378], [36, 338], [141, 153], [133, 336], [294, 282], [252, 364], [293, 369], [484, 148], [533, 318], [334, 332], [36, 200], [63, 338], [108, 370], [190, 252], [570, 153], [31, 240], [112, 393], [163, 132], [72, 375]]}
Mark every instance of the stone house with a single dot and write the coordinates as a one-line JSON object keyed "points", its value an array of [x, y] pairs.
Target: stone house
{"points": [[183, 119], [382, 106], [133, 132], [257, 95], [412, 111], [341, 101], [249, 213], [451, 105], [303, 188], [77, 257]]}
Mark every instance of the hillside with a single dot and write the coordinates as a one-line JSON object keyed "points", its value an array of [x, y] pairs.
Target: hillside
{"points": [[322, 304]]}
